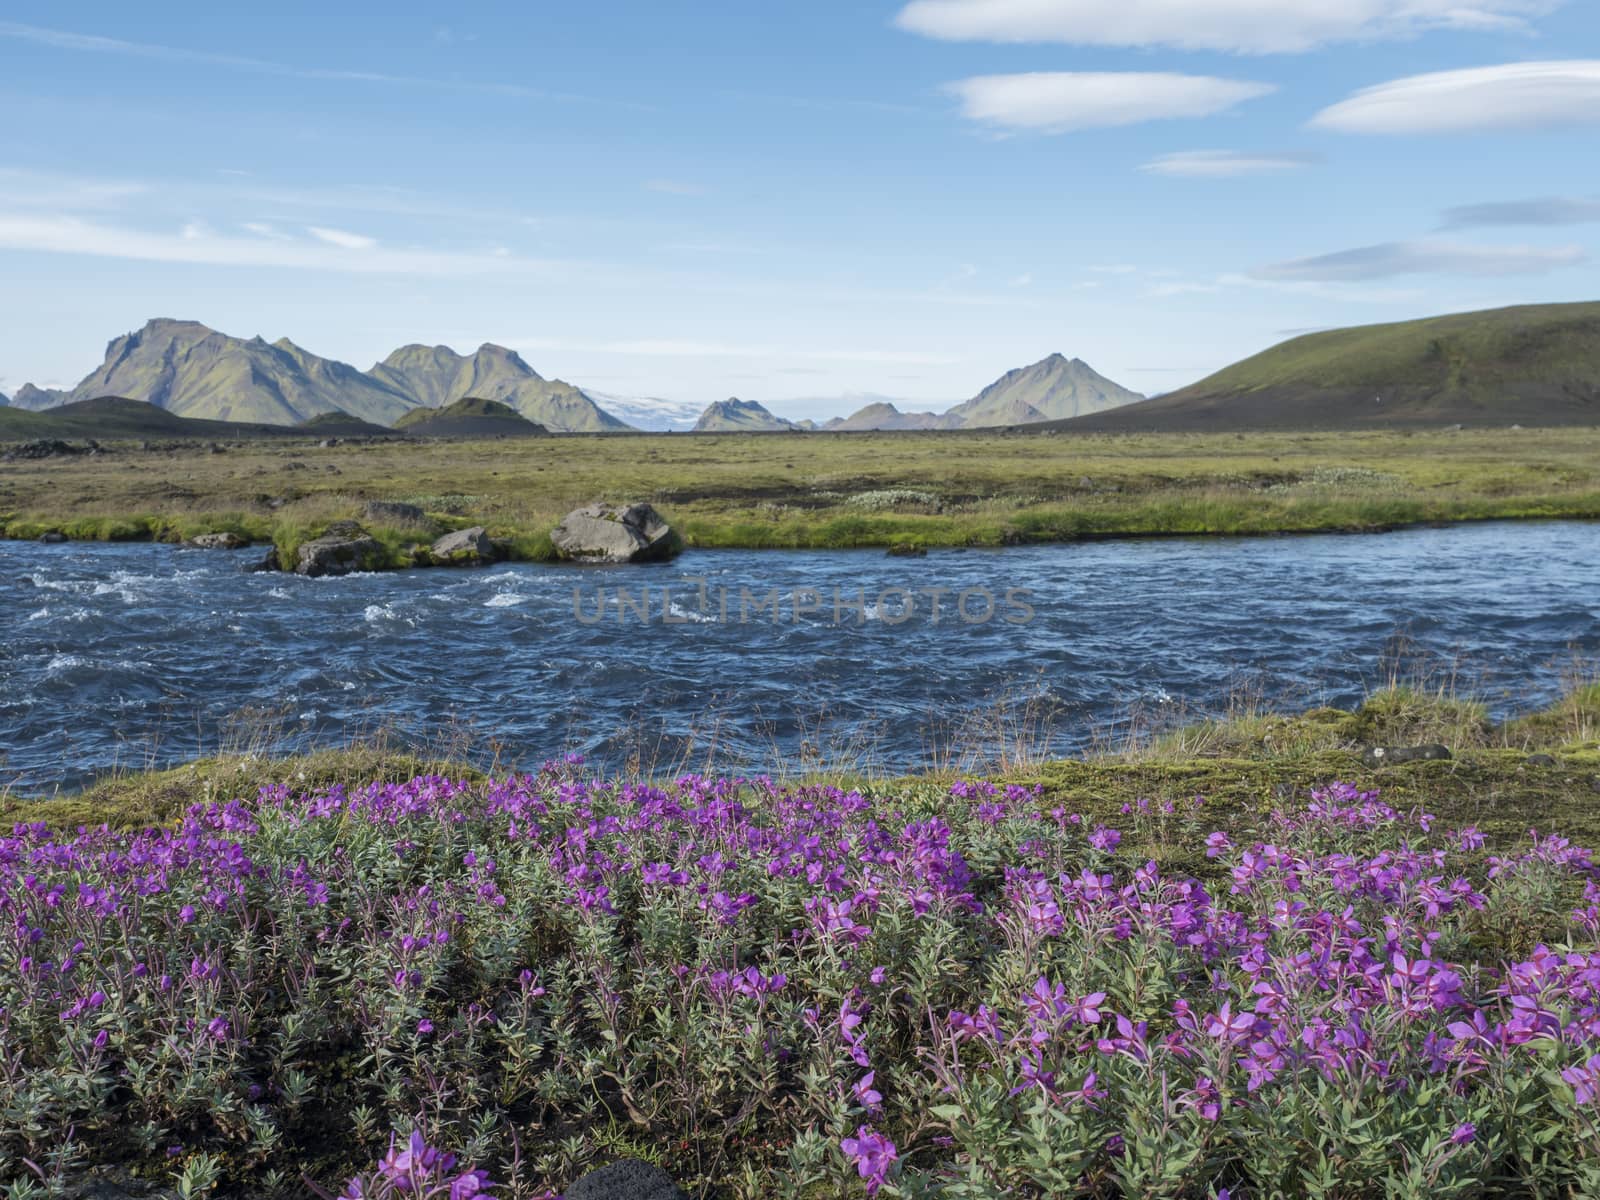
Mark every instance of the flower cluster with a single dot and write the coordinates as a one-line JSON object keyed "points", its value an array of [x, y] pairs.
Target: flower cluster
{"points": [[963, 991]]}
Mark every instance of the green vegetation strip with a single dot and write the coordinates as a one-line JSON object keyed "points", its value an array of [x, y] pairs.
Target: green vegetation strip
{"points": [[821, 492]]}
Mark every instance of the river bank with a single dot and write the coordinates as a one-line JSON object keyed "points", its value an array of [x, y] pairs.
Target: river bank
{"points": [[836, 492]]}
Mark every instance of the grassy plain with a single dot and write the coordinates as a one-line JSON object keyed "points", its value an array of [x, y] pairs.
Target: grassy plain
{"points": [[825, 491]]}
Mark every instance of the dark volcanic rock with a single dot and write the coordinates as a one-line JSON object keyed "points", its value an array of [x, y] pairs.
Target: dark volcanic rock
{"points": [[1541, 760], [906, 550], [1388, 756], [342, 549], [42, 448], [268, 562], [626, 1179], [53, 538], [612, 533]]}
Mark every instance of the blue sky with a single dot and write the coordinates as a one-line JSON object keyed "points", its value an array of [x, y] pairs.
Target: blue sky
{"points": [[790, 202]]}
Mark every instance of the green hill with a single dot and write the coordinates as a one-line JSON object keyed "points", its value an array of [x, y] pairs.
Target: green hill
{"points": [[1531, 365], [111, 418], [343, 425], [471, 416]]}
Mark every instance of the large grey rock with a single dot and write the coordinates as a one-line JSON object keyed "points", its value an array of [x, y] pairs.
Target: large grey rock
{"points": [[343, 548], [463, 548], [53, 538], [393, 512], [218, 541], [626, 1179], [1389, 756], [616, 534]]}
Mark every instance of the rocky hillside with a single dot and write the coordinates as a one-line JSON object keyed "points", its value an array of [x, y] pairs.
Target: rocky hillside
{"points": [[740, 416], [193, 371], [434, 376]]}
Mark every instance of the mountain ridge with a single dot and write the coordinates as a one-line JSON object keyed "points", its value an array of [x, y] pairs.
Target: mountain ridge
{"points": [[192, 370]]}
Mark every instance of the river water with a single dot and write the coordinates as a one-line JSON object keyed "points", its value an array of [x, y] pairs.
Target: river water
{"points": [[138, 655]]}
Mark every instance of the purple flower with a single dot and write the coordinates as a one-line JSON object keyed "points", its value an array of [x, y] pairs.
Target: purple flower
{"points": [[1464, 1133], [873, 1154]]}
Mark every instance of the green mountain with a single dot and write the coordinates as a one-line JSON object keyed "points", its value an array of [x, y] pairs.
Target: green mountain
{"points": [[1532, 365], [1056, 388], [193, 371], [434, 376], [884, 415], [740, 416], [469, 417]]}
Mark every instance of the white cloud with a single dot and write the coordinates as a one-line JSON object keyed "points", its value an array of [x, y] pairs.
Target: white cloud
{"points": [[1550, 210], [43, 189], [1062, 101], [341, 239], [262, 229], [1242, 26], [1423, 258], [198, 245], [1525, 95], [1023, 280], [1223, 164]]}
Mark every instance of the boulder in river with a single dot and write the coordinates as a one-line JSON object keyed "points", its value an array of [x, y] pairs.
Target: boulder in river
{"points": [[615, 533], [268, 562], [341, 549], [53, 538], [218, 541], [1389, 756], [626, 1179], [463, 548]]}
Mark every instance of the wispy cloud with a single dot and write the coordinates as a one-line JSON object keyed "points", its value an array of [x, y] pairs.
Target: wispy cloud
{"points": [[1423, 258], [1064, 101], [1550, 210], [59, 39], [1239, 26], [342, 239], [1223, 164], [1524, 95], [197, 244]]}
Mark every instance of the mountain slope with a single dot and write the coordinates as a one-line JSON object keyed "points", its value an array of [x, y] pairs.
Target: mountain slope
{"points": [[191, 370], [1053, 389], [434, 376], [1531, 365], [740, 416]]}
